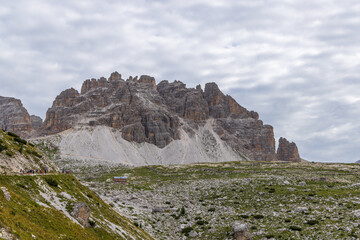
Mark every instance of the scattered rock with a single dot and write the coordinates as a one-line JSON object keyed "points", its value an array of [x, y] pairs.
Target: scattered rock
{"points": [[5, 234], [81, 212], [6, 193], [302, 183], [160, 209], [241, 231], [301, 209], [357, 213], [193, 234]]}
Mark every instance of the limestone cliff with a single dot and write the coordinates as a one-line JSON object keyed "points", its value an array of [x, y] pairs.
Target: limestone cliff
{"points": [[14, 117], [36, 122], [145, 112], [134, 106], [287, 151]]}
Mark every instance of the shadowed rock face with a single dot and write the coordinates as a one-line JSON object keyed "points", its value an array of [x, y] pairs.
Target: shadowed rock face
{"points": [[14, 117], [146, 112], [133, 106], [36, 122], [288, 151]]}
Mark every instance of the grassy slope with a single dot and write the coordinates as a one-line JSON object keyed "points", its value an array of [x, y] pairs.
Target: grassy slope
{"points": [[23, 215], [13, 147]]}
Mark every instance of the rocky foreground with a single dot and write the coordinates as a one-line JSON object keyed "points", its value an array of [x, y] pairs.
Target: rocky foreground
{"points": [[269, 200]]}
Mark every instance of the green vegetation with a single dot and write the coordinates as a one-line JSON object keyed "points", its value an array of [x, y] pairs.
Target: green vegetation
{"points": [[20, 140], [13, 143], [13, 135], [52, 182], [29, 212]]}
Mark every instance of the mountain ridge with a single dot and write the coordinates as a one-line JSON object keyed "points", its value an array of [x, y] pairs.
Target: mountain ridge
{"points": [[142, 111]]}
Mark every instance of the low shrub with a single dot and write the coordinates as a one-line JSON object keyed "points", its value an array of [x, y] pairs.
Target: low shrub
{"points": [[3, 147], [258, 216], [295, 228], [186, 230], [9, 153], [182, 211], [34, 153], [200, 222], [211, 209], [52, 182], [312, 222], [19, 140], [271, 190], [92, 223], [13, 134]]}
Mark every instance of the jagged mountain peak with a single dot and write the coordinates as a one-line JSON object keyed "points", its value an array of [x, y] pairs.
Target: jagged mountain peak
{"points": [[141, 111], [145, 112]]}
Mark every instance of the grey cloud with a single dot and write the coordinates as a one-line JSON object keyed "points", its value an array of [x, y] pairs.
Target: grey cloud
{"points": [[295, 62]]}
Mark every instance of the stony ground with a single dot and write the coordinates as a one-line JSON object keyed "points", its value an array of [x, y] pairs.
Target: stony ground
{"points": [[276, 201]]}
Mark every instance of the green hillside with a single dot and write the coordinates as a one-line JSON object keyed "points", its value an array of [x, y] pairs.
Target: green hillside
{"points": [[17, 153], [39, 204]]}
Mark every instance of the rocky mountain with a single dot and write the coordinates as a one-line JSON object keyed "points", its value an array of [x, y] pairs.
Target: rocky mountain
{"points": [[14, 117], [137, 121], [287, 151], [36, 122], [358, 161]]}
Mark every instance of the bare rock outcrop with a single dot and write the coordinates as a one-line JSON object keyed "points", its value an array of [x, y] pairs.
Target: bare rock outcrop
{"points": [[36, 122], [14, 117], [6, 193], [287, 151], [146, 112], [81, 212], [134, 106], [187, 103]]}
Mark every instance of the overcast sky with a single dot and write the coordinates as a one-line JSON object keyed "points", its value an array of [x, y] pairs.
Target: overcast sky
{"points": [[295, 62]]}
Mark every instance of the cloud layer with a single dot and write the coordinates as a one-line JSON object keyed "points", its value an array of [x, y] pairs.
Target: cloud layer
{"points": [[295, 62]]}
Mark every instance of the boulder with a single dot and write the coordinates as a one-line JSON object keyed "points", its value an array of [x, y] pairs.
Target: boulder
{"points": [[81, 212], [6, 193], [240, 231]]}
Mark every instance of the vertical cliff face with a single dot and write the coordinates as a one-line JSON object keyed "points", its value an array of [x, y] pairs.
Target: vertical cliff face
{"points": [[237, 126], [133, 105], [14, 117], [187, 103], [146, 112], [36, 122], [287, 151]]}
